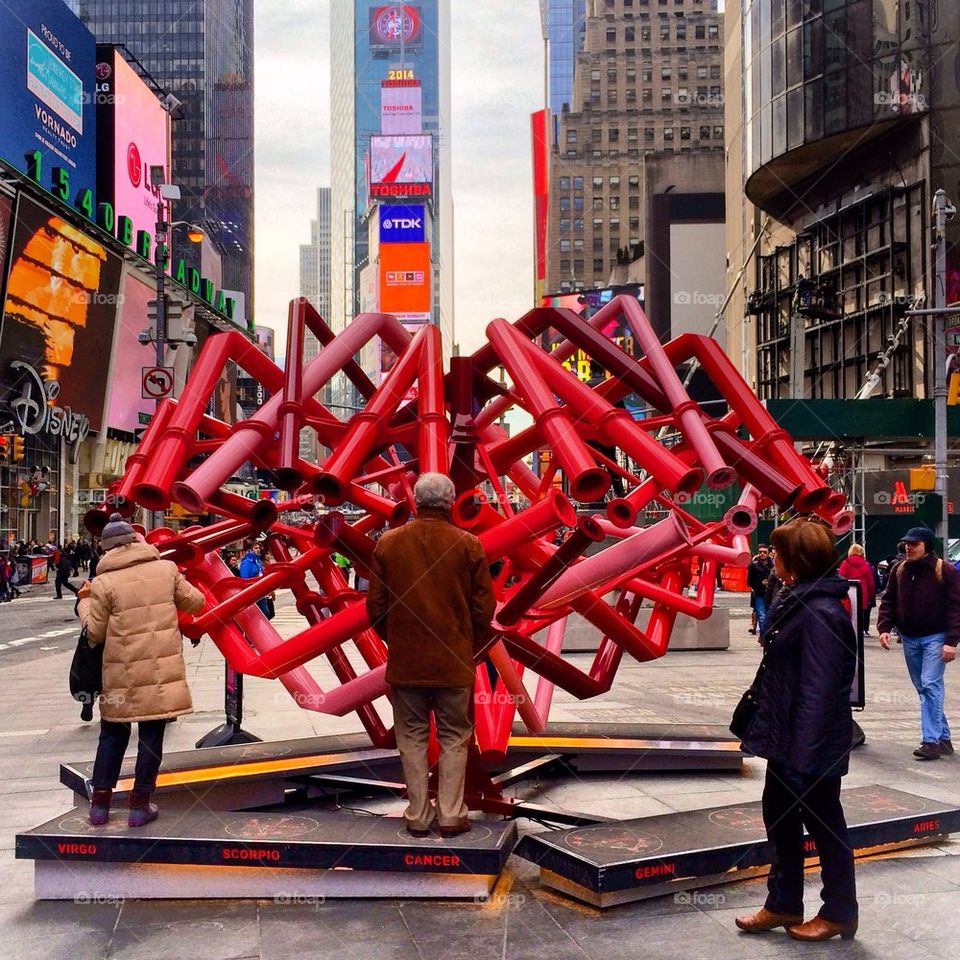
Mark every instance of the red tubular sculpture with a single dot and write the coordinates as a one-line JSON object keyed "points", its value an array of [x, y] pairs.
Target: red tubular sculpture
{"points": [[579, 436]]}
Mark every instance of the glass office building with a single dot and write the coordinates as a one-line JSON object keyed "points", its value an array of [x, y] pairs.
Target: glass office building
{"points": [[202, 53], [564, 25]]}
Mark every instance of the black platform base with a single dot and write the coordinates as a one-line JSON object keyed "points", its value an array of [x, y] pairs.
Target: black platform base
{"points": [[634, 859], [200, 854]]}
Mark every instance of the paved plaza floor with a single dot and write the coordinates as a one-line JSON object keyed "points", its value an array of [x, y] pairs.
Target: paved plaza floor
{"points": [[910, 902]]}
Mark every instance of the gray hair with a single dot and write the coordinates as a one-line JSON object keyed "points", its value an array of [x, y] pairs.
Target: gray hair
{"points": [[434, 490]]}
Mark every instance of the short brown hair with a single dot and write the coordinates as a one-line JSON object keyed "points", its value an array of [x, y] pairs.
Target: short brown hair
{"points": [[806, 548]]}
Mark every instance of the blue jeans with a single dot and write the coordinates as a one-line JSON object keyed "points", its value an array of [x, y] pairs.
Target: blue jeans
{"points": [[926, 666], [760, 608]]}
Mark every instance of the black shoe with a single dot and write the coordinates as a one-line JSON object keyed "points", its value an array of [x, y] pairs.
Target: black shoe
{"points": [[928, 751], [751, 630], [86, 712], [946, 748], [416, 832]]}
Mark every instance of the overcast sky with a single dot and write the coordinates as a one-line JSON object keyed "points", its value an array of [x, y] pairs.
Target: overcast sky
{"points": [[497, 81]]}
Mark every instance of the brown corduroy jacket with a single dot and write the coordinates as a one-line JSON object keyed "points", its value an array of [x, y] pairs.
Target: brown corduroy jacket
{"points": [[431, 600]]}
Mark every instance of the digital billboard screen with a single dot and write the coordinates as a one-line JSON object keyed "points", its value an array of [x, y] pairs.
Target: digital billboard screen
{"points": [[48, 59], [406, 278], [395, 25], [59, 312], [133, 135], [401, 165], [401, 107], [402, 223], [125, 403]]}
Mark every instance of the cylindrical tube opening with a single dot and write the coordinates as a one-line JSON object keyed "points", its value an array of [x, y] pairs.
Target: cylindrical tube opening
{"points": [[151, 496], [185, 495], [621, 512], [288, 478], [720, 478], [590, 485], [329, 488]]}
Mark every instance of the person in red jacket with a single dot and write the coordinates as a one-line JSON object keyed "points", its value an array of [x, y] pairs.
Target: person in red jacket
{"points": [[855, 567]]}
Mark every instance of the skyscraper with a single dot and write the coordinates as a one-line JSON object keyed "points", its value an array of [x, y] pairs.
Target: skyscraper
{"points": [[202, 54], [390, 151], [315, 286], [564, 26]]}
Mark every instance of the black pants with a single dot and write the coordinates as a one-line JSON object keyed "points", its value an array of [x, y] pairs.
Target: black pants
{"points": [[114, 738], [792, 801], [63, 581]]}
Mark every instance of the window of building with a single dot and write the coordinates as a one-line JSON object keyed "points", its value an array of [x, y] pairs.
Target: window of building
{"points": [[705, 133], [633, 181], [578, 203], [647, 95], [596, 135], [634, 203], [595, 75], [631, 74], [649, 133], [700, 31], [571, 136], [597, 224], [683, 95], [578, 183], [564, 183], [668, 133], [646, 74], [682, 72], [645, 31], [611, 96], [631, 134], [666, 94], [681, 31], [598, 203], [702, 72], [596, 154], [611, 74], [564, 266], [598, 244], [578, 268], [598, 261], [631, 94], [684, 133], [629, 34], [614, 203], [615, 183], [611, 34], [715, 71], [614, 134], [578, 242], [665, 72], [665, 30], [564, 204], [597, 183], [715, 91], [634, 225], [713, 31], [571, 153], [718, 132], [564, 246], [702, 94]]}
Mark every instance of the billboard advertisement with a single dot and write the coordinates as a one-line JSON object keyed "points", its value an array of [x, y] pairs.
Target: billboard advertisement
{"points": [[133, 135], [125, 403], [395, 25], [402, 223], [48, 59], [401, 107], [58, 323], [406, 278], [401, 166], [388, 360]]}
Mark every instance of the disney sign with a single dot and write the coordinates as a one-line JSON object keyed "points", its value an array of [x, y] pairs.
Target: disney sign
{"points": [[35, 413]]}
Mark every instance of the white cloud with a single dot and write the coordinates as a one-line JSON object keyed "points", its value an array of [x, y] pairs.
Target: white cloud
{"points": [[497, 81]]}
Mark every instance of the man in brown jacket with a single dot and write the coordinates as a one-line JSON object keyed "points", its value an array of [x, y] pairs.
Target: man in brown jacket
{"points": [[431, 600], [131, 607]]}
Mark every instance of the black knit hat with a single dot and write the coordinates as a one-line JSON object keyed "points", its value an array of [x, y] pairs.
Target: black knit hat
{"points": [[920, 535], [116, 533]]}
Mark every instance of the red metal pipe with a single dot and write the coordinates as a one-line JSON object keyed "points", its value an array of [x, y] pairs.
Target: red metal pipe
{"points": [[433, 430], [261, 514], [291, 407], [686, 410], [137, 461], [587, 481], [333, 531], [502, 537]]}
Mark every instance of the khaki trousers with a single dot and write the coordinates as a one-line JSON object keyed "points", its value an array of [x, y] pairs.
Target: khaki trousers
{"points": [[411, 718]]}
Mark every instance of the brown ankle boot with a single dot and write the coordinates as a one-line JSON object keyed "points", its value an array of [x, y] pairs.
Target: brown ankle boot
{"points": [[100, 807], [142, 811], [764, 920]]}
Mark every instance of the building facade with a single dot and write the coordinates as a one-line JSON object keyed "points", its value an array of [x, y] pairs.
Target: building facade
{"points": [[390, 144], [647, 88], [202, 54], [847, 125]]}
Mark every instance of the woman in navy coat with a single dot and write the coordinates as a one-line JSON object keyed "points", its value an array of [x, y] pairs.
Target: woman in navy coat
{"points": [[803, 728]]}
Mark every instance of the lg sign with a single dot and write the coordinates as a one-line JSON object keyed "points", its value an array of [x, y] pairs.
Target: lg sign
{"points": [[402, 223]]}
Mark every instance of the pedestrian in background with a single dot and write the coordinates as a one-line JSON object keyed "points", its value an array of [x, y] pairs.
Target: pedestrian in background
{"points": [[803, 727], [855, 567], [251, 568], [757, 573], [64, 569], [922, 600], [132, 609], [431, 600]]}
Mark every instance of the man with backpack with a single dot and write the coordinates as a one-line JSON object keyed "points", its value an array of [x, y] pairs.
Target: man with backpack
{"points": [[922, 600]]}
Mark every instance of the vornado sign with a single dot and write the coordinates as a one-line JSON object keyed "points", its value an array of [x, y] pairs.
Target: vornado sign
{"points": [[402, 223]]}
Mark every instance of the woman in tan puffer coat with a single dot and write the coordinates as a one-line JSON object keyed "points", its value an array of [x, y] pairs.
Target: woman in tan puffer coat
{"points": [[131, 607]]}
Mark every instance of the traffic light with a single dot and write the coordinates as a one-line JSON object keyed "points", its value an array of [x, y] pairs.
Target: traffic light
{"points": [[17, 453], [4, 449]]}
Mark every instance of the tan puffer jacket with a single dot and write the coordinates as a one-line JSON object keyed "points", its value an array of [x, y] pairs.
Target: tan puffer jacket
{"points": [[132, 607]]}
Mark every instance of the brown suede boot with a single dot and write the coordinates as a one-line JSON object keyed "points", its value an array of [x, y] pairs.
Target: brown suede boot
{"points": [[100, 807], [142, 811]]}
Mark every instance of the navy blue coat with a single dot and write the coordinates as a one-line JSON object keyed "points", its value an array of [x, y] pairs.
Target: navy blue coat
{"points": [[803, 716]]}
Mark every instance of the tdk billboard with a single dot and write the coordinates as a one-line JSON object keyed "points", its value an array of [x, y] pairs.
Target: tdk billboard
{"points": [[48, 59], [402, 223]]}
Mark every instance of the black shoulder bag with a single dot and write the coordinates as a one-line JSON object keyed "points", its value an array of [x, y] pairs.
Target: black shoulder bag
{"points": [[86, 670], [746, 709]]}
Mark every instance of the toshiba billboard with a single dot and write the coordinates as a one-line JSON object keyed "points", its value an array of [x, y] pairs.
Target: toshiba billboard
{"points": [[401, 166], [405, 280]]}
